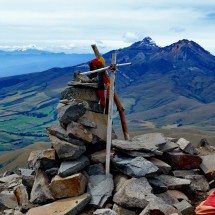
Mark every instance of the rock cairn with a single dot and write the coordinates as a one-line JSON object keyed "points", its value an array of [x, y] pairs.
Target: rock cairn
{"points": [[150, 174]]}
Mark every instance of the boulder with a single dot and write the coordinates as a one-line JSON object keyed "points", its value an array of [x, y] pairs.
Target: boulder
{"points": [[185, 208], [186, 146], [100, 156], [58, 131], [42, 159], [95, 169], [65, 150], [208, 165], [198, 183], [135, 192], [80, 93], [174, 183], [78, 131], [136, 167], [162, 166], [72, 112], [71, 206], [40, 192], [100, 187], [104, 212], [122, 211], [70, 186], [8, 200], [68, 168], [182, 161], [158, 206]]}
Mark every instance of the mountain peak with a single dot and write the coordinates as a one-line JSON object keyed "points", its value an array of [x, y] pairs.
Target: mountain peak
{"points": [[146, 43]]}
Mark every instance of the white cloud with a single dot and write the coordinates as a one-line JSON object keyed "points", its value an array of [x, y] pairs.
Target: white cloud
{"points": [[130, 37]]}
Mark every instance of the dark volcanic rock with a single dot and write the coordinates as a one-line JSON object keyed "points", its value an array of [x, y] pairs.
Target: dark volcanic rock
{"points": [[136, 167], [65, 150], [72, 112], [70, 167]]}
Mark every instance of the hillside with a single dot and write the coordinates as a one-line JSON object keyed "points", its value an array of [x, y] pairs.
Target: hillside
{"points": [[165, 87]]}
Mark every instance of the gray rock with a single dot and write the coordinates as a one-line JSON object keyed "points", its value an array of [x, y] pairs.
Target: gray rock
{"points": [[9, 178], [136, 167], [157, 185], [100, 156], [119, 180], [58, 131], [139, 153], [162, 166], [26, 172], [95, 169], [78, 131], [178, 195], [8, 200], [42, 159], [70, 186], [72, 112], [186, 146], [168, 147], [104, 212], [68, 206], [81, 93], [71, 167], [28, 181], [8, 212], [198, 183], [207, 165], [174, 183], [158, 206], [52, 172], [122, 211], [86, 122], [135, 192], [65, 150], [100, 187], [185, 208], [40, 193], [184, 173], [168, 198]]}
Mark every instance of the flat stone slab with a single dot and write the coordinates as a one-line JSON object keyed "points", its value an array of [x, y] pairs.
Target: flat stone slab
{"points": [[9, 178], [122, 211], [65, 150], [168, 198], [135, 192], [79, 84], [186, 146], [136, 167], [184, 173], [106, 211], [70, 186], [178, 195], [100, 187], [157, 185], [174, 183], [168, 147], [68, 168], [71, 206], [198, 183], [162, 166], [182, 161], [95, 169], [185, 208], [100, 156], [208, 165], [146, 142]]}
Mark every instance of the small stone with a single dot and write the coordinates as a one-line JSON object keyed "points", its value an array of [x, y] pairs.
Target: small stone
{"points": [[100, 187], [9, 178], [182, 161], [100, 156], [168, 198], [136, 167], [208, 166], [186, 146], [8, 212], [157, 185], [184, 173], [174, 183], [52, 172], [95, 169], [68, 168], [198, 183], [104, 212], [168, 147], [7, 173], [185, 208], [40, 193], [72, 206], [70, 186], [28, 181], [178, 195], [162, 166], [86, 122], [65, 150], [26, 172], [119, 180], [135, 192], [78, 131], [42, 159], [8, 200], [122, 211]]}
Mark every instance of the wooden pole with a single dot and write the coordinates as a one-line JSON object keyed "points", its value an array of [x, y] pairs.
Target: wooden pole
{"points": [[96, 51], [110, 115]]}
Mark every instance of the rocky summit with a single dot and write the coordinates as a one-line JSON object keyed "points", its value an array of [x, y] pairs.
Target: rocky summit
{"points": [[150, 173]]}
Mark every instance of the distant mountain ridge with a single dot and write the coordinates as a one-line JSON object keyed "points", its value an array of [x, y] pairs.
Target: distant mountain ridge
{"points": [[165, 86]]}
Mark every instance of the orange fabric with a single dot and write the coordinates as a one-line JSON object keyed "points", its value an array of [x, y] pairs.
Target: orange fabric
{"points": [[202, 209], [210, 201]]}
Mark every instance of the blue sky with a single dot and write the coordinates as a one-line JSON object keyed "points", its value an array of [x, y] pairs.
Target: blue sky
{"points": [[73, 25]]}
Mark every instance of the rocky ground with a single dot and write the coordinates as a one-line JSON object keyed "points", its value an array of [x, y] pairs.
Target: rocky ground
{"points": [[150, 173]]}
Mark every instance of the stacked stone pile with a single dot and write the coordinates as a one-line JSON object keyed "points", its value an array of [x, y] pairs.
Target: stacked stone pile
{"points": [[150, 174]]}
